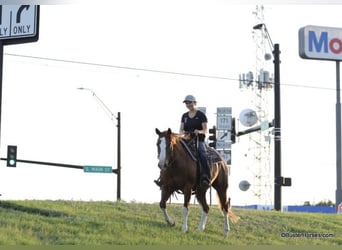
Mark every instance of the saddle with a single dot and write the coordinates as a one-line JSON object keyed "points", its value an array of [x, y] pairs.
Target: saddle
{"points": [[190, 146]]}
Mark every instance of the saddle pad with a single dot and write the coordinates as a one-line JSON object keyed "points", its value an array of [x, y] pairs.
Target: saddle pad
{"points": [[213, 155]]}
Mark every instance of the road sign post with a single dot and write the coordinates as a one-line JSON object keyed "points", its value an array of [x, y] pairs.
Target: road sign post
{"points": [[224, 126], [324, 43], [18, 24]]}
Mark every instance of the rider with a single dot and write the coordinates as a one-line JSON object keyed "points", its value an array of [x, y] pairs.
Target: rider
{"points": [[195, 122]]}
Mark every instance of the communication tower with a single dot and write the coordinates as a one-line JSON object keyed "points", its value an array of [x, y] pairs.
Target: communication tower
{"points": [[258, 88]]}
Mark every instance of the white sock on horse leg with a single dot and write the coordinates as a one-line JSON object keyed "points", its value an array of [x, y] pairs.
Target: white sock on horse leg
{"points": [[167, 217], [226, 227], [185, 214], [203, 221]]}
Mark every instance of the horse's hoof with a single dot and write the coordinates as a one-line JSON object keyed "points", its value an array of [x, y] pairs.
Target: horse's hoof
{"points": [[225, 234], [172, 223]]}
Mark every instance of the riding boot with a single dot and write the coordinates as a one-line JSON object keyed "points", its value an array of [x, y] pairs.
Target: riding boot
{"points": [[204, 174], [158, 182]]}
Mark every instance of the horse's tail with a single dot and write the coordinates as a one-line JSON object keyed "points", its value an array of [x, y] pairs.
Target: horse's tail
{"points": [[226, 204], [231, 215]]}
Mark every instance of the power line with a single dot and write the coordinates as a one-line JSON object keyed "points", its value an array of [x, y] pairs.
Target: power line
{"points": [[153, 70], [121, 67]]}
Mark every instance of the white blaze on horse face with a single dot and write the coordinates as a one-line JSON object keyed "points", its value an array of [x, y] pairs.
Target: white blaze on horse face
{"points": [[162, 154]]}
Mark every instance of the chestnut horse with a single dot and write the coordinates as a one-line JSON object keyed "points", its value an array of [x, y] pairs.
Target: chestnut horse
{"points": [[179, 173]]}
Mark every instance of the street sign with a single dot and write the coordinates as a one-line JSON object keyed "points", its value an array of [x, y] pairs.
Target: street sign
{"points": [[97, 169], [19, 23], [224, 122], [264, 125], [224, 111], [223, 144]]}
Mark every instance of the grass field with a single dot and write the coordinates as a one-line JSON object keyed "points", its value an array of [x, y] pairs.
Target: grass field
{"points": [[121, 223]]}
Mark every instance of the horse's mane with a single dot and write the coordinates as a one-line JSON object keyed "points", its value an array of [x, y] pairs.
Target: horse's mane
{"points": [[175, 138]]}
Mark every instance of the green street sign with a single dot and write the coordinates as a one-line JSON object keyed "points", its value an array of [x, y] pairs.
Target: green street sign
{"points": [[97, 169]]}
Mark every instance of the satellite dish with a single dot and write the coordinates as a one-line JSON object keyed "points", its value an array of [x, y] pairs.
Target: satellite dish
{"points": [[268, 56], [244, 185], [248, 117]]}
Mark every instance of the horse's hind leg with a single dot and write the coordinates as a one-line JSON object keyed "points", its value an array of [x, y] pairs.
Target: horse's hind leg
{"points": [[225, 207], [205, 209], [224, 203]]}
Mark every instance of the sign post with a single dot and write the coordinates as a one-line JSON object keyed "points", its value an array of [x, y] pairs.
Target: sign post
{"points": [[324, 43], [224, 127], [18, 24]]}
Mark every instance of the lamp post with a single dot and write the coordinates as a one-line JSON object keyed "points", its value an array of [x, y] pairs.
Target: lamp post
{"points": [[117, 171], [278, 180]]}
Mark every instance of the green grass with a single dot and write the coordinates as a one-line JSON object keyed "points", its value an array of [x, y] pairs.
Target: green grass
{"points": [[120, 223]]}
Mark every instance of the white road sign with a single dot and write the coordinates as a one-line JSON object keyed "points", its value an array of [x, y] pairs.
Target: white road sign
{"points": [[224, 111], [18, 21], [224, 122], [223, 144]]}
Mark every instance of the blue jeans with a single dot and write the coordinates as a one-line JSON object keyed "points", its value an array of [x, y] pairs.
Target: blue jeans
{"points": [[202, 153]]}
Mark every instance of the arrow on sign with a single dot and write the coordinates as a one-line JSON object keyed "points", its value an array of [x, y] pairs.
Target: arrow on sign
{"points": [[20, 10]]}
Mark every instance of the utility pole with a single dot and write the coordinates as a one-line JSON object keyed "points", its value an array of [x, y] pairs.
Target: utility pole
{"points": [[277, 130], [118, 168]]}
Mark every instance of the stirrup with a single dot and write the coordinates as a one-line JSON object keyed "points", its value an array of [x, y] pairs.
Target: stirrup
{"points": [[157, 182], [205, 184]]}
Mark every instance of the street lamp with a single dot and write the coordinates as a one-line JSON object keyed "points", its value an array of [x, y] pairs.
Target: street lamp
{"points": [[278, 180], [117, 171]]}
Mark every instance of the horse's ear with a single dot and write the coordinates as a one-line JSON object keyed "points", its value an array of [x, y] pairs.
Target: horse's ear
{"points": [[158, 131], [169, 131]]}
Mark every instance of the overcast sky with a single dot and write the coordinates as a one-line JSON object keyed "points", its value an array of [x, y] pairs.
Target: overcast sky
{"points": [[141, 58]]}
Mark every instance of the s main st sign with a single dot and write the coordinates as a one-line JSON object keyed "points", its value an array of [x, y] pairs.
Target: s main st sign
{"points": [[322, 43]]}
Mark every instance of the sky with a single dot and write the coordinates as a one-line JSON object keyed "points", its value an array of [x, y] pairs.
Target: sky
{"points": [[141, 58]]}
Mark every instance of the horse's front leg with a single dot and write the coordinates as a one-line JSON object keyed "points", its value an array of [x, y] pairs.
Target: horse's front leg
{"points": [[185, 212], [165, 195]]}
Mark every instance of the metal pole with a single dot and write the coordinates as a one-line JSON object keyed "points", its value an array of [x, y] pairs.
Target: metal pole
{"points": [[338, 194], [1, 68], [277, 130], [119, 159], [118, 169]]}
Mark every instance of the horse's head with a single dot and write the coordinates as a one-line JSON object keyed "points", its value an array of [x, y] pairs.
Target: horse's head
{"points": [[164, 145]]}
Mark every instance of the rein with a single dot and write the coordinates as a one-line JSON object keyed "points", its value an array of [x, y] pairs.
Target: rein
{"points": [[186, 142]]}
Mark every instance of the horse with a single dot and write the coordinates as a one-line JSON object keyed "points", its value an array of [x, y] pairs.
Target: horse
{"points": [[179, 172]]}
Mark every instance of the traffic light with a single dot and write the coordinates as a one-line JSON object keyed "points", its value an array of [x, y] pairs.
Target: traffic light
{"points": [[233, 132], [11, 156], [212, 137], [283, 181]]}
